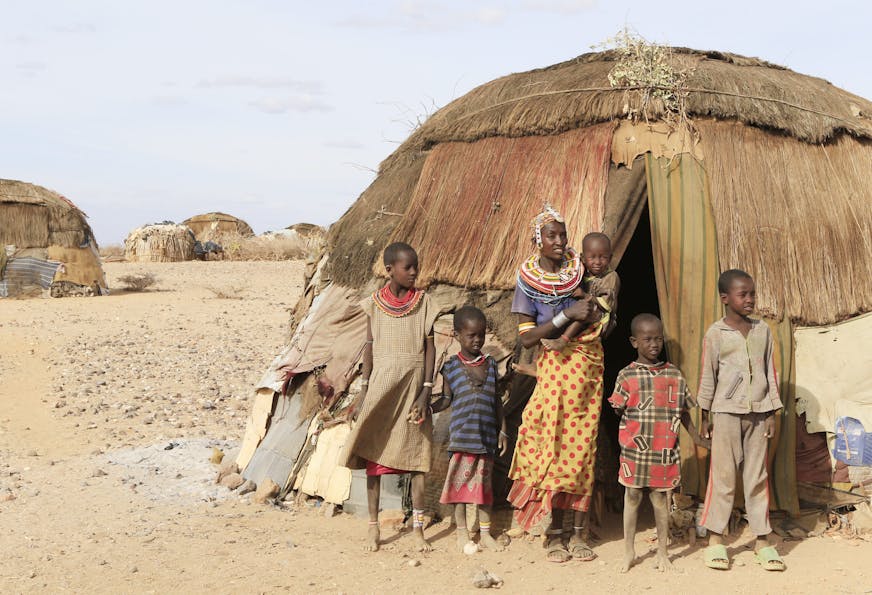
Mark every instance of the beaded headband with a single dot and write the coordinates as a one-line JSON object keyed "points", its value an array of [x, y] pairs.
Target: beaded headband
{"points": [[548, 215]]}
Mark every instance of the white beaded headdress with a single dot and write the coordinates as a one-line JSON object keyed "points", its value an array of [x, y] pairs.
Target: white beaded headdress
{"points": [[548, 215]]}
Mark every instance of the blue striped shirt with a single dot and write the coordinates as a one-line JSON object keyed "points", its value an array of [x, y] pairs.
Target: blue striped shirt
{"points": [[473, 428]]}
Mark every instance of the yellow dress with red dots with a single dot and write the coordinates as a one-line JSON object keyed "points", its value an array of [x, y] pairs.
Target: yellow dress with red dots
{"points": [[553, 464]]}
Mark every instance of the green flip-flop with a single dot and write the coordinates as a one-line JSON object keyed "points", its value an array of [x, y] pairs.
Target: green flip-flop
{"points": [[769, 559], [716, 557]]}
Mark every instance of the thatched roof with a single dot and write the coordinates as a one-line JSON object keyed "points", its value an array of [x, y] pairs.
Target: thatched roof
{"points": [[161, 242], [211, 226], [577, 93], [35, 217], [508, 145]]}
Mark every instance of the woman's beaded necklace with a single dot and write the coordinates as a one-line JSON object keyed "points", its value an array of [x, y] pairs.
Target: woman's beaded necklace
{"points": [[547, 287]]}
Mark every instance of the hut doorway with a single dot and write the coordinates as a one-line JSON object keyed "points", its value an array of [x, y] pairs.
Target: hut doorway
{"points": [[638, 294]]}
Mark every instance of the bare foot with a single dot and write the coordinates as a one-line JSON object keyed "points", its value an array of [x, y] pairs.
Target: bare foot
{"points": [[490, 543], [462, 538], [663, 563], [421, 544], [629, 559], [372, 539], [526, 369], [554, 344]]}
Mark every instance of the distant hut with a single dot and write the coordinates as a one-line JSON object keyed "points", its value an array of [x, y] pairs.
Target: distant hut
{"points": [[45, 243], [758, 168], [312, 235], [217, 226], [160, 242]]}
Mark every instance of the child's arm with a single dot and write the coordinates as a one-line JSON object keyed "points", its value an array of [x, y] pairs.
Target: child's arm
{"points": [[365, 373], [773, 393], [580, 310], [621, 395], [421, 406], [443, 401], [503, 439], [708, 382], [687, 422]]}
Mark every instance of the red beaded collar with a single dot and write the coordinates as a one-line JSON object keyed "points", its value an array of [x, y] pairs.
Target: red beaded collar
{"points": [[396, 307]]}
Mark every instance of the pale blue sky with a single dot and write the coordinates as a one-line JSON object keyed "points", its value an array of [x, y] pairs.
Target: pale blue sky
{"points": [[277, 111]]}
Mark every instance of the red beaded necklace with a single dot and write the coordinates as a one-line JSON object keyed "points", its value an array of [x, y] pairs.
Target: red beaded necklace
{"points": [[394, 306], [474, 362]]}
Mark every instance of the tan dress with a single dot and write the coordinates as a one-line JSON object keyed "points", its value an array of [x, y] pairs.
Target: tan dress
{"points": [[382, 433]]}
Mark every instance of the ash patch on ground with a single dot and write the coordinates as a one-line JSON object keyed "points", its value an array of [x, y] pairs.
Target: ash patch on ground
{"points": [[177, 470]]}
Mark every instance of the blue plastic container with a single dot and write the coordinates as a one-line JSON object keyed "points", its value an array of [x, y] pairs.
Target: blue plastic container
{"points": [[853, 444]]}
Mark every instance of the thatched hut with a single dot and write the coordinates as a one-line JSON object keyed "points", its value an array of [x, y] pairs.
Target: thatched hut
{"points": [[216, 226], [757, 167], [160, 242], [45, 243]]}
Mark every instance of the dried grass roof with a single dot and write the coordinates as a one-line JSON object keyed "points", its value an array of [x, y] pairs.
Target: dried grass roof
{"points": [[577, 93], [217, 222], [723, 89], [35, 217]]}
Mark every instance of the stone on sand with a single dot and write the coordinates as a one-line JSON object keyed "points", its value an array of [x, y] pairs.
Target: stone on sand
{"points": [[232, 481], [246, 488], [267, 490]]}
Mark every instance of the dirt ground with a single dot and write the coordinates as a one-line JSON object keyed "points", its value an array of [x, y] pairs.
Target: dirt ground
{"points": [[110, 408]]}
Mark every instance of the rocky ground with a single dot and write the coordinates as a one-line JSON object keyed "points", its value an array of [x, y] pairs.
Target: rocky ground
{"points": [[111, 407]]}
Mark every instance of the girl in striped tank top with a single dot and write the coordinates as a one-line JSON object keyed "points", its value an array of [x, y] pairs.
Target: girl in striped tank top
{"points": [[477, 429]]}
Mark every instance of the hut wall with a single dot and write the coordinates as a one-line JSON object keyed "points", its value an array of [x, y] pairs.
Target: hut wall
{"points": [[469, 216], [24, 225], [798, 217]]}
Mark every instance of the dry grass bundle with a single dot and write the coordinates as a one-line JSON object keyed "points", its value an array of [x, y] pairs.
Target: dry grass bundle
{"points": [[470, 213], [137, 281], [798, 217], [265, 247], [217, 226], [165, 242]]}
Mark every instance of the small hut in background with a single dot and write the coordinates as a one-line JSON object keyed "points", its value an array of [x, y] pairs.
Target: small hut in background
{"points": [[160, 242], [312, 235], [45, 243], [217, 226], [307, 236]]}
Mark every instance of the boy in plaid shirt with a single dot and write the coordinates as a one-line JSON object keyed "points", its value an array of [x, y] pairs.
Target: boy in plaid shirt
{"points": [[652, 399]]}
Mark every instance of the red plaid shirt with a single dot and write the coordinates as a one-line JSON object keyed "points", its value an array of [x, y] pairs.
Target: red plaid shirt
{"points": [[650, 400]]}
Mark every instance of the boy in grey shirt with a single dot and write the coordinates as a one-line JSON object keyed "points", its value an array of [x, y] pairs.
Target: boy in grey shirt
{"points": [[738, 395]]}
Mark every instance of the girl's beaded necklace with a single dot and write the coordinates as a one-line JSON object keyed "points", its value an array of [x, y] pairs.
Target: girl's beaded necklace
{"points": [[396, 307], [472, 363]]}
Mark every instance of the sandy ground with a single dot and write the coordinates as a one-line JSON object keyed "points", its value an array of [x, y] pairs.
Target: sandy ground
{"points": [[110, 408]]}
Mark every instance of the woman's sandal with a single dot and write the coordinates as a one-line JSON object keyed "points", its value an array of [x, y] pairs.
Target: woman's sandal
{"points": [[581, 551], [556, 552], [769, 559], [716, 557]]}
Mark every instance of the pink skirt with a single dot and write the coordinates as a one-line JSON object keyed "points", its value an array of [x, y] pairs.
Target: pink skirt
{"points": [[373, 468], [468, 480]]}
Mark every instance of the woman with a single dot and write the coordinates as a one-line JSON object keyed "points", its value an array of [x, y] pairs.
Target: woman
{"points": [[552, 467]]}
